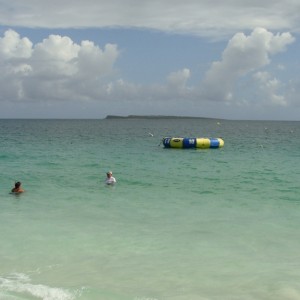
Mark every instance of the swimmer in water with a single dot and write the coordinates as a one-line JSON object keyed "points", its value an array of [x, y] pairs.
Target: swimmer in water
{"points": [[110, 179], [17, 189]]}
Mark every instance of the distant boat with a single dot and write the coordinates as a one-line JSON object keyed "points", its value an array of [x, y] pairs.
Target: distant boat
{"points": [[186, 142]]}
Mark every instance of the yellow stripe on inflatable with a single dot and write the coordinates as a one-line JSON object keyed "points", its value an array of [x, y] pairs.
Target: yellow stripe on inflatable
{"points": [[176, 143], [221, 143], [203, 143]]}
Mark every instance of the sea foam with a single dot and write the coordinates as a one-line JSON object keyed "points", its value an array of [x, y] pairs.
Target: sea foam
{"points": [[18, 286]]}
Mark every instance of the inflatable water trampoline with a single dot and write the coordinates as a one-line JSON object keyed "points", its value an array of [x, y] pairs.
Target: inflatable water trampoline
{"points": [[185, 142]]}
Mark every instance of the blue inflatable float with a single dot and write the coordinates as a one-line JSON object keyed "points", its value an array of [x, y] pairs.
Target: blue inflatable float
{"points": [[185, 142]]}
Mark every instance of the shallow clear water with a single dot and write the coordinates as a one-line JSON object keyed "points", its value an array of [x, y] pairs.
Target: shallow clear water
{"points": [[179, 224]]}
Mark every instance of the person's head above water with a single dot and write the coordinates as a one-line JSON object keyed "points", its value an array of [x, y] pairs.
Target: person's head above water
{"points": [[109, 178], [17, 184]]}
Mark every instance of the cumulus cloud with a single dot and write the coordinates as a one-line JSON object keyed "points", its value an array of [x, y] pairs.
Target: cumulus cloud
{"points": [[270, 88], [57, 68], [12, 46], [179, 79], [243, 55]]}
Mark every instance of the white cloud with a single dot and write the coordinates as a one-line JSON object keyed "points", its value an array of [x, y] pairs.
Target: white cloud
{"points": [[243, 55], [12, 46], [269, 87], [57, 68], [201, 17], [179, 79], [53, 58], [93, 61]]}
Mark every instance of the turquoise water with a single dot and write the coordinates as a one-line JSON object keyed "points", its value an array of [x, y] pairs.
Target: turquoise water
{"points": [[211, 224]]}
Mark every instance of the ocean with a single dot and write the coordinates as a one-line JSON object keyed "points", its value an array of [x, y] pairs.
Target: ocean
{"points": [[180, 224]]}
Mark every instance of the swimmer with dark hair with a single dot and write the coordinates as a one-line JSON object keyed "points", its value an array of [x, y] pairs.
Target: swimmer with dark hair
{"points": [[17, 189]]}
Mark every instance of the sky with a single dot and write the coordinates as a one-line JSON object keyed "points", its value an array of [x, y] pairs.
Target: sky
{"points": [[228, 59]]}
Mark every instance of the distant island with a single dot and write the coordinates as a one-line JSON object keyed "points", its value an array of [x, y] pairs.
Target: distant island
{"points": [[155, 117]]}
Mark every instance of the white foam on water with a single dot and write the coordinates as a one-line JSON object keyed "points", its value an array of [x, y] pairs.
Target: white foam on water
{"points": [[20, 285]]}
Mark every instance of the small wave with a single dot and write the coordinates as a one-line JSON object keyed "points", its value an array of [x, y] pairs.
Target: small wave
{"points": [[19, 286]]}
